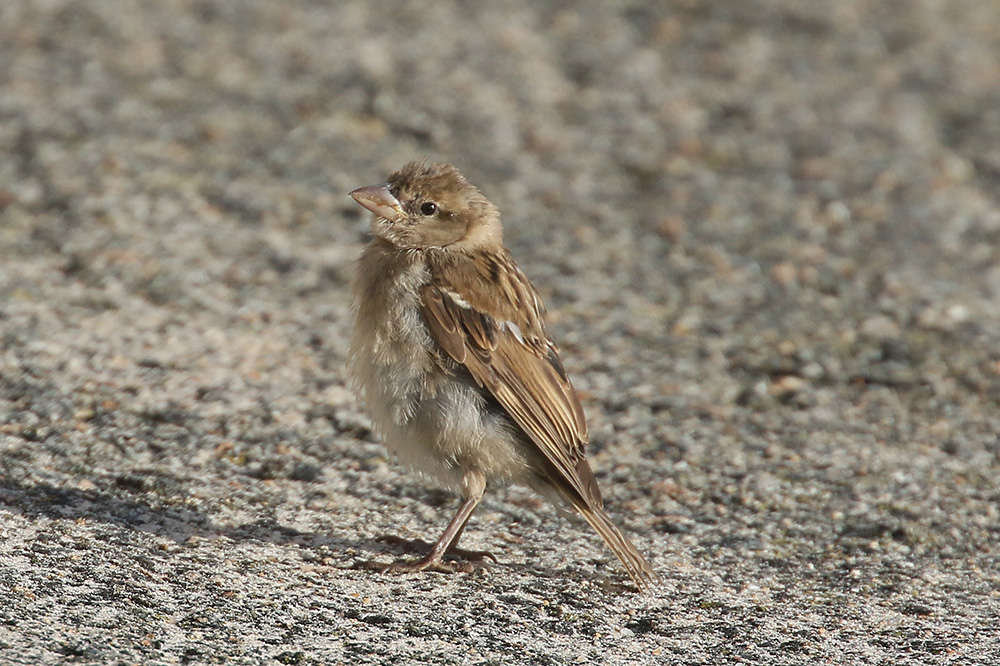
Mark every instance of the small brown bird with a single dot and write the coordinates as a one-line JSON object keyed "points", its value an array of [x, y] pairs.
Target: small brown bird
{"points": [[451, 358]]}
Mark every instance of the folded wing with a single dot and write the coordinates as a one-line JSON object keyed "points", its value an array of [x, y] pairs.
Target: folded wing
{"points": [[520, 367]]}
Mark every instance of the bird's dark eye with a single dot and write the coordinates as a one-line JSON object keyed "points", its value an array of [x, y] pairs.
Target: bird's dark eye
{"points": [[428, 208]]}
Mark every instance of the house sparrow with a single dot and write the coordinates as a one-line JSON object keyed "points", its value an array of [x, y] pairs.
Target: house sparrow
{"points": [[451, 358]]}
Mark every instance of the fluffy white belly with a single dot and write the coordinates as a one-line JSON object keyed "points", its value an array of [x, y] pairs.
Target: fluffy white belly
{"points": [[435, 422]]}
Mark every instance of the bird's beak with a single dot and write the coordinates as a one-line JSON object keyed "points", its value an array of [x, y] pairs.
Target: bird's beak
{"points": [[379, 200]]}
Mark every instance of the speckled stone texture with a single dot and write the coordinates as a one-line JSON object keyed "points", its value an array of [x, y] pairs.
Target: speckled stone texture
{"points": [[769, 237]]}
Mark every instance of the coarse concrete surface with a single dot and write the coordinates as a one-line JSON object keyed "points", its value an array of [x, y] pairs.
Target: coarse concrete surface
{"points": [[767, 233]]}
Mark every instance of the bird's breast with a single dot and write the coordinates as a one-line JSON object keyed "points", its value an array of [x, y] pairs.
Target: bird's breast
{"points": [[391, 351]]}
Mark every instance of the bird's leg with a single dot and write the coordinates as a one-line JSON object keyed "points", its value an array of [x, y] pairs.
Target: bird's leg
{"points": [[421, 546], [467, 555], [473, 487]]}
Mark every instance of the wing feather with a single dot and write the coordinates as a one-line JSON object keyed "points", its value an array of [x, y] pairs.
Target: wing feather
{"points": [[524, 374], [493, 327]]}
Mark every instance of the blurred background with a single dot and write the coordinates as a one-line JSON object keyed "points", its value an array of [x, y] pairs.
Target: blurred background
{"points": [[768, 233], [697, 168]]}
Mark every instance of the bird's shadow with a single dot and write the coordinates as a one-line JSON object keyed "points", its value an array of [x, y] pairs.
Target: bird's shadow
{"points": [[180, 523], [176, 523]]}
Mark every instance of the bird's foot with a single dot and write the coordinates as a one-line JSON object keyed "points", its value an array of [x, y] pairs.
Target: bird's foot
{"points": [[455, 560], [420, 546]]}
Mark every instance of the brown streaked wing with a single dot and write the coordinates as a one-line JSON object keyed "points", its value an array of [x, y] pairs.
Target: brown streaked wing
{"points": [[524, 374]]}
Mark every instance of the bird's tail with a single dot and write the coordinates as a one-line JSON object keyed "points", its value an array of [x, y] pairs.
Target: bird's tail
{"points": [[635, 564]]}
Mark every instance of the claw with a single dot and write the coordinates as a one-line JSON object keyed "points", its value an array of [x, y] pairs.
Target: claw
{"points": [[455, 560]]}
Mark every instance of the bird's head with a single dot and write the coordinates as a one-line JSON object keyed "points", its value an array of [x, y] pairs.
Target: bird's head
{"points": [[430, 205]]}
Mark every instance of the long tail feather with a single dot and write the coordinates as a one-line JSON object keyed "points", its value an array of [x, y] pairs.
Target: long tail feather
{"points": [[635, 564]]}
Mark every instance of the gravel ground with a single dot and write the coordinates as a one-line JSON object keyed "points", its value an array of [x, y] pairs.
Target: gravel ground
{"points": [[768, 235]]}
